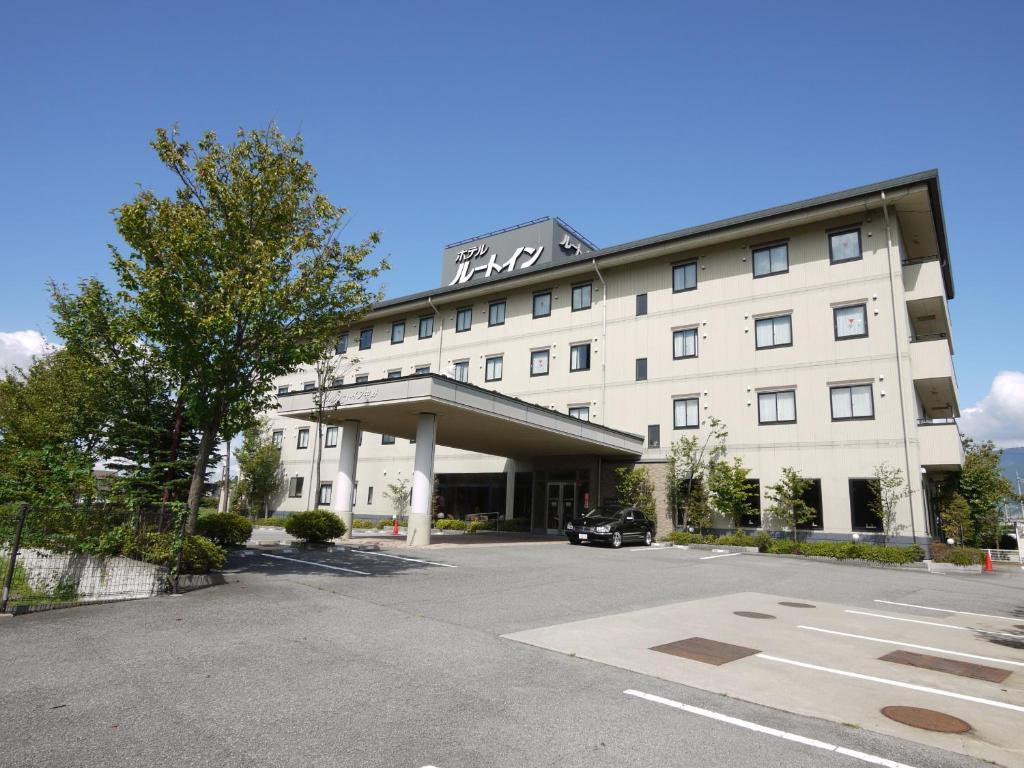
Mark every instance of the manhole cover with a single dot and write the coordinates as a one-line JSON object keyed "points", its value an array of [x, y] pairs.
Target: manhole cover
{"points": [[705, 650], [939, 664], [796, 605], [927, 719], [753, 615]]}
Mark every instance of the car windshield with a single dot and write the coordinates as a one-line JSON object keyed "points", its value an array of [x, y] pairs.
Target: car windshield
{"points": [[603, 512]]}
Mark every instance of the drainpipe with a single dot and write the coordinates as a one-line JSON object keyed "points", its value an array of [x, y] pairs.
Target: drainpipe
{"points": [[604, 342], [899, 363], [440, 337]]}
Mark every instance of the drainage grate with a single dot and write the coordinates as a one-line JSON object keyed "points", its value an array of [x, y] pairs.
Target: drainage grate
{"points": [[927, 719], [939, 664], [704, 650], [753, 615], [797, 605]]}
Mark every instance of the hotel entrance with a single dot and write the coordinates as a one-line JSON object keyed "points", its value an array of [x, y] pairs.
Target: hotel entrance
{"points": [[561, 505]]}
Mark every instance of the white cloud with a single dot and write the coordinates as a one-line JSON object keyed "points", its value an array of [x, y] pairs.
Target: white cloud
{"points": [[18, 348], [1000, 415]]}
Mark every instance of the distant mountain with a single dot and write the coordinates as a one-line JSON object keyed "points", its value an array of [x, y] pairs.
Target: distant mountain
{"points": [[1012, 463]]}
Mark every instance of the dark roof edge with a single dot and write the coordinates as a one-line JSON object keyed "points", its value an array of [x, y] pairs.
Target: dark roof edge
{"points": [[929, 178], [939, 218]]}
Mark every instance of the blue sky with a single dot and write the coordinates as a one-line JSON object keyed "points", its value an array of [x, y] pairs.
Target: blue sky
{"points": [[436, 121]]}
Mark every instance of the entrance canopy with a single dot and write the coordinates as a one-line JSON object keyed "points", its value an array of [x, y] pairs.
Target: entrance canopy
{"points": [[468, 417]]}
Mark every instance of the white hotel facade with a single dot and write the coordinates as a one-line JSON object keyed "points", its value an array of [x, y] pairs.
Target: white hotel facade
{"points": [[818, 332]]}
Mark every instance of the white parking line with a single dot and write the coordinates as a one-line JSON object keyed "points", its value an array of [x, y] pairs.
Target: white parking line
{"points": [[758, 728], [948, 610], [894, 683], [398, 557], [318, 565], [936, 624], [912, 645], [727, 554]]}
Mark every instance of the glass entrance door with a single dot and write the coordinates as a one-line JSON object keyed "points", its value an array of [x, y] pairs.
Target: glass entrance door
{"points": [[561, 505]]}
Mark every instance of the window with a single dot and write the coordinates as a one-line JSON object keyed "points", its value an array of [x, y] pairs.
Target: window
{"points": [[773, 332], [776, 407], [426, 327], [369, 495], [654, 436], [812, 498], [308, 385], [579, 357], [854, 402], [398, 332], [844, 246], [302, 441], [496, 313], [641, 369], [366, 338], [362, 378], [461, 370], [342, 346], [542, 304], [337, 381], [581, 412], [771, 260], [581, 296], [331, 437], [539, 359], [684, 277], [421, 369], [395, 374], [387, 439], [685, 414], [463, 319], [277, 438], [684, 343], [323, 497], [851, 322], [753, 520], [283, 389], [295, 487], [492, 368], [641, 304], [862, 516]]}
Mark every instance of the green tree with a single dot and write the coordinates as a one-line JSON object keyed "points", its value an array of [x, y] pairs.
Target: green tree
{"points": [[239, 277], [730, 491], [399, 493], [633, 488], [689, 460], [261, 477], [888, 489], [983, 486], [788, 508], [955, 519]]}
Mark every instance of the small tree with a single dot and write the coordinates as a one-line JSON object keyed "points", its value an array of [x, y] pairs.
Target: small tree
{"points": [[984, 487], [730, 491], [633, 488], [399, 493], [955, 519], [259, 467], [887, 491], [689, 460], [788, 507], [327, 368]]}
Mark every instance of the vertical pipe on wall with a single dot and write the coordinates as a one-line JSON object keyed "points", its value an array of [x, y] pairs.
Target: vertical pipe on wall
{"points": [[604, 340], [899, 363]]}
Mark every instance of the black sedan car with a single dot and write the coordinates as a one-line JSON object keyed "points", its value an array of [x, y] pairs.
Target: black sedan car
{"points": [[611, 525]]}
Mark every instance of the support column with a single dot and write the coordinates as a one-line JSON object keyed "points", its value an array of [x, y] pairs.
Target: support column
{"points": [[510, 488], [345, 481], [418, 526]]}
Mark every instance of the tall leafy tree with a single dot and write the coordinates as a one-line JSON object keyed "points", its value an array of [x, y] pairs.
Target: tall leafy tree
{"points": [[633, 488], [983, 486], [730, 492], [261, 476], [788, 507], [689, 461], [239, 277]]}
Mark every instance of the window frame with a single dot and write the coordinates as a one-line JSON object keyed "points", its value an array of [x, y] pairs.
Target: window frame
{"points": [[768, 247], [277, 438], [421, 370], [831, 405], [590, 296], [362, 335], [776, 392], [696, 342], [320, 493], [654, 429], [641, 299], [536, 296], [461, 365], [573, 347], [683, 265], [395, 325], [862, 528], [328, 432], [835, 321], [487, 367], [308, 386], [695, 398], [362, 378], [845, 231], [387, 439], [546, 351], [342, 346], [773, 318], [419, 330], [295, 488], [579, 408], [283, 389], [640, 360], [503, 303], [459, 315], [299, 445]]}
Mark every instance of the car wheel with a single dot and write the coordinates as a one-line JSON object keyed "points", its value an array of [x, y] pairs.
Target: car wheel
{"points": [[616, 540], [648, 539]]}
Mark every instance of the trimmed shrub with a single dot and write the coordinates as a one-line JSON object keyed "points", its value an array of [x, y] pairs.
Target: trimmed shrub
{"points": [[199, 554], [840, 550], [450, 524], [364, 524], [481, 525], [315, 526], [272, 522], [225, 528], [942, 553]]}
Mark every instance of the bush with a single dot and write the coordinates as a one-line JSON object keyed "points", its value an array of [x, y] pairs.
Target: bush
{"points": [[685, 537], [225, 528], [315, 526], [840, 550], [481, 525], [942, 553], [273, 522], [199, 554], [364, 524], [450, 524]]}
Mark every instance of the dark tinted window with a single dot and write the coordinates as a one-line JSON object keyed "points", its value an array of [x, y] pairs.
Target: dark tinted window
{"points": [[641, 304], [641, 369], [812, 498], [654, 436], [862, 517]]}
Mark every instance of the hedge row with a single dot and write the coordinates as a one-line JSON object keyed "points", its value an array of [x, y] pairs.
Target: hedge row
{"points": [[942, 553], [840, 550]]}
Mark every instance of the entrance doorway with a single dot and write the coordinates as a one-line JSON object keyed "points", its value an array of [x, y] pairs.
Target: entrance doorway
{"points": [[561, 505]]}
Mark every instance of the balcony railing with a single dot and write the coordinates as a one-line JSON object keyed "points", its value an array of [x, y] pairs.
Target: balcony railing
{"points": [[928, 337], [935, 422]]}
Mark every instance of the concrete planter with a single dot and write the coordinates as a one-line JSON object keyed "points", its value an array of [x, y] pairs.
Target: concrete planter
{"points": [[934, 567]]}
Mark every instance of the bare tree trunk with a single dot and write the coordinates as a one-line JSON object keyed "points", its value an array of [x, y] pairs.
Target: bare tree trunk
{"points": [[195, 491]]}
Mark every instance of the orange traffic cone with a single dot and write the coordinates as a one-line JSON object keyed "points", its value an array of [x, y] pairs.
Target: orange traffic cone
{"points": [[394, 531], [988, 559]]}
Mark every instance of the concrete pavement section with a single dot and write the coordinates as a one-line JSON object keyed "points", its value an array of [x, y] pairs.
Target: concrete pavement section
{"points": [[294, 664]]}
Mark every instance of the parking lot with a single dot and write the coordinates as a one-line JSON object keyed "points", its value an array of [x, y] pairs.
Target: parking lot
{"points": [[520, 655]]}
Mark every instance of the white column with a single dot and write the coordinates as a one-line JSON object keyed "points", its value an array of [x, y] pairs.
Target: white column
{"points": [[345, 481], [418, 527], [510, 487]]}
